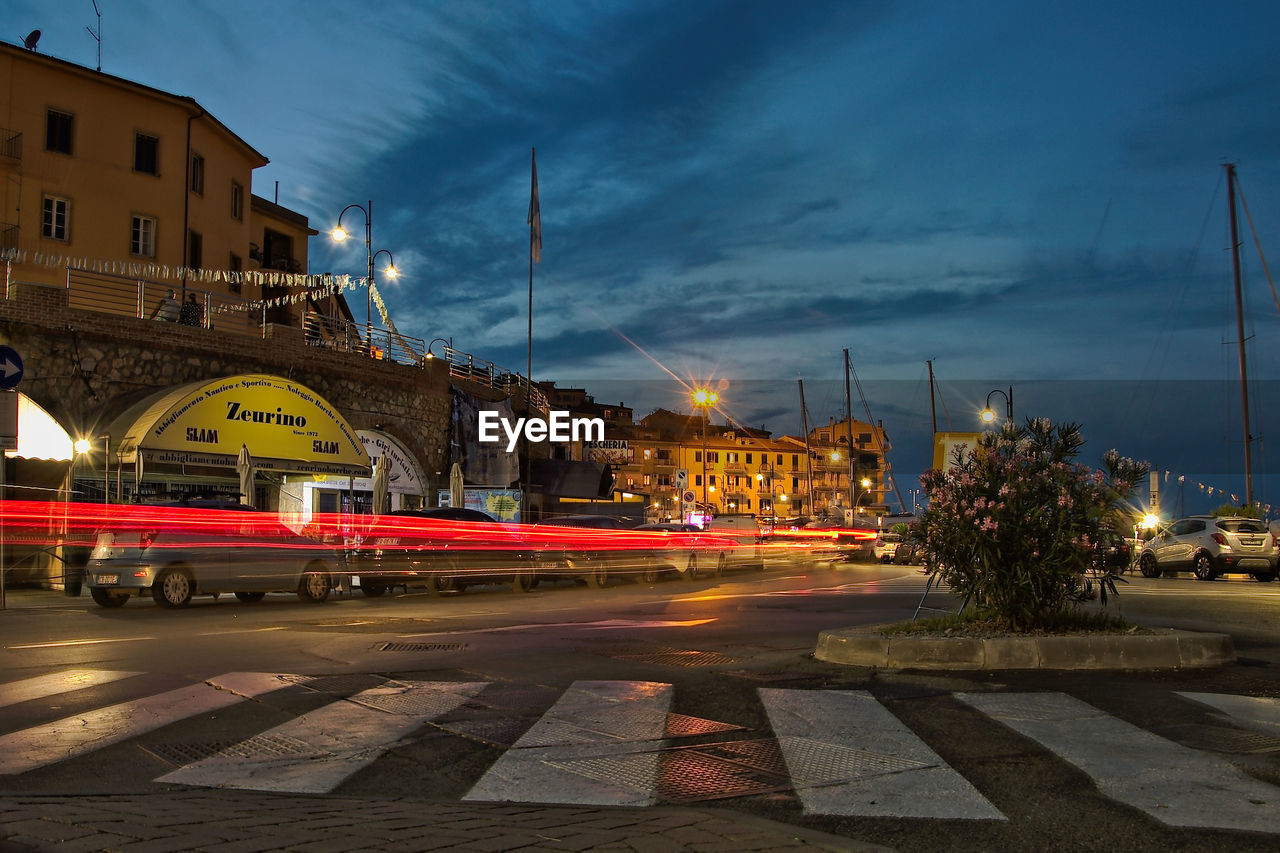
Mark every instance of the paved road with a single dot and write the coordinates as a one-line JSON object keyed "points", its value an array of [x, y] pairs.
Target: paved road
{"points": [[645, 726]]}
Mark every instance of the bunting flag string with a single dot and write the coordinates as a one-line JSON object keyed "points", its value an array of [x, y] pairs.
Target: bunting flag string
{"points": [[1211, 490]]}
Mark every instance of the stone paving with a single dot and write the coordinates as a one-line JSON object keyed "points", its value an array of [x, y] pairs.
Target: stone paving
{"points": [[245, 822]]}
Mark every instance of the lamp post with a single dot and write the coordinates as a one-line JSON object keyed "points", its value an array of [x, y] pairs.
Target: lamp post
{"points": [[704, 398], [865, 489], [339, 234], [988, 414], [83, 446]]}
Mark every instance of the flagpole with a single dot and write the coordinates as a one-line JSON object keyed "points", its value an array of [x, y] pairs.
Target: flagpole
{"points": [[535, 254]]}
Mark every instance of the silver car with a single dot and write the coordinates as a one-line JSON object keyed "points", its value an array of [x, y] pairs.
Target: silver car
{"points": [[176, 551], [1210, 547]]}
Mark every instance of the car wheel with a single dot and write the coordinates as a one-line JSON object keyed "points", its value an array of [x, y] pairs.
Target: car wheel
{"points": [[1203, 567], [1148, 566], [173, 588], [251, 597], [371, 589], [1265, 577], [597, 577], [524, 579], [721, 562], [107, 598], [649, 570], [315, 584], [691, 571]]}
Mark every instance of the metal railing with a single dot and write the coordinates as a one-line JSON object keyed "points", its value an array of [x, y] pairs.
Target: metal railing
{"points": [[125, 296], [464, 365], [10, 143]]}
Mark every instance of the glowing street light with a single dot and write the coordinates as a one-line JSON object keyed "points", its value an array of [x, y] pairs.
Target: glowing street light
{"points": [[340, 235], [83, 446], [988, 414], [704, 398]]}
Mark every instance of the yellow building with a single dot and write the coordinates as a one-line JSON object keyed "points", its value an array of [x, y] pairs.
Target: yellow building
{"points": [[119, 192]]}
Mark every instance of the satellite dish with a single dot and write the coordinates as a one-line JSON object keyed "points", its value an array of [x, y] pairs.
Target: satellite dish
{"points": [[30, 41]]}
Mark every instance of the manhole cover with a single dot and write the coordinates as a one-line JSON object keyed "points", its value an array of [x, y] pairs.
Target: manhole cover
{"points": [[182, 754], [1222, 739], [813, 762], [681, 725], [690, 776], [342, 685], [259, 746], [502, 733], [421, 647]]}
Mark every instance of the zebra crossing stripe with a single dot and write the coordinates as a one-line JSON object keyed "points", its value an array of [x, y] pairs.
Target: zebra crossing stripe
{"points": [[80, 733], [1259, 713], [57, 682], [847, 755], [598, 745], [1174, 784], [314, 753]]}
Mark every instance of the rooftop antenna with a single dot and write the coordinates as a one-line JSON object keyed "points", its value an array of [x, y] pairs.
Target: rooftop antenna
{"points": [[97, 36], [30, 41]]}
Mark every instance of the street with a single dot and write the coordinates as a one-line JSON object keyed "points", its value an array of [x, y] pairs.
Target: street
{"points": [[698, 693]]}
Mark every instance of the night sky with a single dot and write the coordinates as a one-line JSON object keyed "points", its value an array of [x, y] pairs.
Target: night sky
{"points": [[1029, 194]]}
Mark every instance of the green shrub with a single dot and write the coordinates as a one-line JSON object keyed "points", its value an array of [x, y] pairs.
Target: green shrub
{"points": [[1013, 525]]}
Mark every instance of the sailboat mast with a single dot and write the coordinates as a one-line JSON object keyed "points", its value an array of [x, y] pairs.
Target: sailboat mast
{"points": [[808, 451], [848, 420], [1244, 376], [933, 410]]}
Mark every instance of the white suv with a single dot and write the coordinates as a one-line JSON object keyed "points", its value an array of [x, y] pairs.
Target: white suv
{"points": [[1210, 547], [886, 544]]}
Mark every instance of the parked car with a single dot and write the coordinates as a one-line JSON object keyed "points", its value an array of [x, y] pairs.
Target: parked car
{"points": [[907, 554], [691, 551], [174, 551], [592, 552], [1112, 552], [885, 546], [750, 535], [441, 549], [1209, 547]]}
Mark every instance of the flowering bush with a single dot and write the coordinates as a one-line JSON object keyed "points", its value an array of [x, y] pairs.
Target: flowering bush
{"points": [[1012, 527]]}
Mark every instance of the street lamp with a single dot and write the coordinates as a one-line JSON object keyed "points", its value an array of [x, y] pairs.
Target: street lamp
{"points": [[865, 490], [340, 234], [704, 398], [84, 445], [448, 342], [988, 414]]}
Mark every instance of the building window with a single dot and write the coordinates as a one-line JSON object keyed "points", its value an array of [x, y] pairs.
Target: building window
{"points": [[53, 219], [713, 456], [57, 132], [748, 458], [648, 454], [779, 459], [647, 479], [197, 174], [142, 237], [237, 200], [697, 456], [146, 151], [235, 265], [795, 460], [697, 479], [195, 250]]}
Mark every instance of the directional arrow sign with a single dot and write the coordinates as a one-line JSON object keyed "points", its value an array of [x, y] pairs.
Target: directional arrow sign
{"points": [[10, 368]]}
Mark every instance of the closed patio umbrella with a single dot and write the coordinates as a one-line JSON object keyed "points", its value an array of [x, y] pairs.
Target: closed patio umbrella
{"points": [[456, 495], [381, 476], [244, 467]]}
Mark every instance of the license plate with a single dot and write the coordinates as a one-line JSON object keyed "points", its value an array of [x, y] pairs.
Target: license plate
{"points": [[104, 579]]}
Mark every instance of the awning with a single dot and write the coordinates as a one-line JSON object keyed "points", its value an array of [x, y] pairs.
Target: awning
{"points": [[39, 435], [404, 475], [286, 426]]}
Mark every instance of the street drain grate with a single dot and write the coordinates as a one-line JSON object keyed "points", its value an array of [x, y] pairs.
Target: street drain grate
{"points": [[681, 725], [691, 775], [421, 647], [1222, 739], [680, 657]]}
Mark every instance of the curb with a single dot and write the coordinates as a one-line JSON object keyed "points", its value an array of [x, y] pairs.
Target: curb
{"points": [[1168, 649]]}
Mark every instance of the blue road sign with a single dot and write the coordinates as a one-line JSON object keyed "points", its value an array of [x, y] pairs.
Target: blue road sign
{"points": [[10, 368]]}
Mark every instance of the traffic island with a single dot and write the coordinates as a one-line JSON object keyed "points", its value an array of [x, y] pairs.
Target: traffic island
{"points": [[1156, 649]]}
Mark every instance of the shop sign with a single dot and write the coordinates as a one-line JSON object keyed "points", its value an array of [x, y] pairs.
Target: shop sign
{"points": [[612, 451]]}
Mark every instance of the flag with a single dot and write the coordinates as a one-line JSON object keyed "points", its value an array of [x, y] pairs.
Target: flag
{"points": [[535, 214]]}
